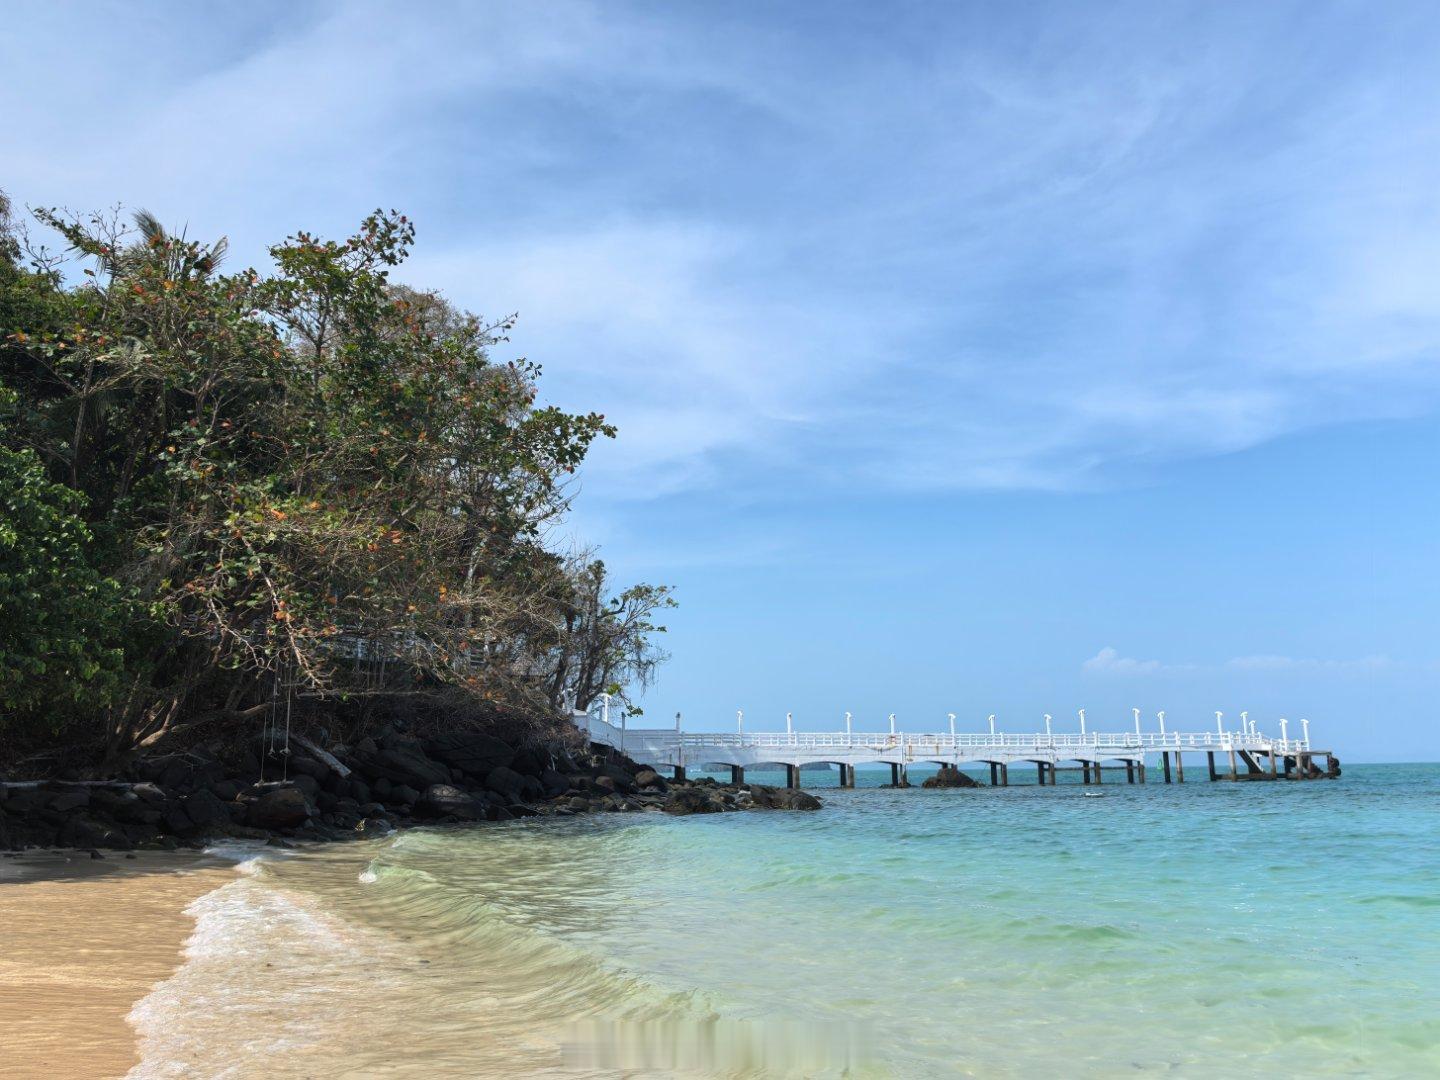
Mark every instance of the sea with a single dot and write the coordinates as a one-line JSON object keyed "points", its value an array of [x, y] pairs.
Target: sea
{"points": [[1287, 929]]}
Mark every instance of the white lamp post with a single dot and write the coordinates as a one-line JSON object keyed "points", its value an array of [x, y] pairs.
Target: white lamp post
{"points": [[1284, 729], [1082, 721], [1245, 723], [892, 723], [992, 724], [952, 727], [1048, 738], [847, 727], [1219, 723], [789, 723], [1137, 721], [740, 722], [1305, 727], [1161, 715]]}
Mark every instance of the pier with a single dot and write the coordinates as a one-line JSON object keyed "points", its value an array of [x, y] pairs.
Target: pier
{"points": [[1230, 754]]}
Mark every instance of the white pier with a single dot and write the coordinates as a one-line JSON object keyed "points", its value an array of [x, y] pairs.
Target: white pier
{"points": [[1245, 754]]}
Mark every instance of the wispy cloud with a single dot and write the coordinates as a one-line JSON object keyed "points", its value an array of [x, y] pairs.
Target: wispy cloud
{"points": [[1039, 248], [1109, 661]]}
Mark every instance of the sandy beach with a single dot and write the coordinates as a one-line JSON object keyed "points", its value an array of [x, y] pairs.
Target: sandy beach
{"points": [[83, 940]]}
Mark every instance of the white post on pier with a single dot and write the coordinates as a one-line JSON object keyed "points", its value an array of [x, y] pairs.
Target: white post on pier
{"points": [[1305, 727], [1082, 721], [605, 707], [1137, 723], [677, 723], [847, 728], [892, 723], [1284, 729], [740, 722], [952, 727], [1048, 737], [1161, 715], [1245, 724], [1220, 724], [992, 725], [790, 724]]}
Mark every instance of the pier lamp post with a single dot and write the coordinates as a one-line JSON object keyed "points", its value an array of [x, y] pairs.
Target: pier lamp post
{"points": [[1050, 739], [1220, 724], [605, 708], [740, 722], [1305, 727], [847, 727], [892, 723], [992, 725], [1245, 724], [1284, 729], [1137, 724], [790, 725], [1161, 715], [952, 727], [1082, 722]]}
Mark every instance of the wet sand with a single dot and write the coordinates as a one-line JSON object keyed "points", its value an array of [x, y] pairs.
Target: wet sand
{"points": [[81, 941]]}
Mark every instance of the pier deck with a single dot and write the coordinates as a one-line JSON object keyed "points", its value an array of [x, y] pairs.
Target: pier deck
{"points": [[1241, 755]]}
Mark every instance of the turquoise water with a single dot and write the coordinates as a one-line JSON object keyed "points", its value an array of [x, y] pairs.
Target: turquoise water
{"points": [[1285, 929]]}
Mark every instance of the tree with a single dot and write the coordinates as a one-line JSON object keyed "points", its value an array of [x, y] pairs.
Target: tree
{"points": [[60, 620]]}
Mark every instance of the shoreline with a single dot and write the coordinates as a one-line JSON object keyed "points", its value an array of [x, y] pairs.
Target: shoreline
{"points": [[71, 971]]}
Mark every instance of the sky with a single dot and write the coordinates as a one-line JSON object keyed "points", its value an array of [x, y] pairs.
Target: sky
{"points": [[967, 357]]}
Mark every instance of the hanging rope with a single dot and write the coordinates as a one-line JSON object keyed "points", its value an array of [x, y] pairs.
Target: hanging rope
{"points": [[289, 700]]}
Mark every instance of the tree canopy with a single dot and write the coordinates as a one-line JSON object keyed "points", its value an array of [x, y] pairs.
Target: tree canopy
{"points": [[313, 479]]}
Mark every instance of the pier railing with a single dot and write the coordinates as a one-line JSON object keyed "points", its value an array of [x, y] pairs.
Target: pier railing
{"points": [[918, 745]]}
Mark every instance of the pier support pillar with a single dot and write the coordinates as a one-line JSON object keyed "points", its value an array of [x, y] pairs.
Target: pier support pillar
{"points": [[1084, 772], [679, 772], [1210, 762], [994, 775], [1179, 767], [1165, 762], [1234, 773], [847, 775], [1140, 768], [792, 777], [1129, 772], [1004, 775], [1272, 765], [737, 774], [1040, 772], [894, 775], [1098, 778]]}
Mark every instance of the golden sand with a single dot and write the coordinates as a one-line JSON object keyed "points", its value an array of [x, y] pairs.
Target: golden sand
{"points": [[81, 941]]}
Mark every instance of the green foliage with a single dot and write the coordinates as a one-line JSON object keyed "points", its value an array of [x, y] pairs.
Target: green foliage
{"points": [[297, 473], [60, 620]]}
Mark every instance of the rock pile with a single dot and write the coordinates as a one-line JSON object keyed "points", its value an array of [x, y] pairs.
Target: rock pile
{"points": [[379, 784]]}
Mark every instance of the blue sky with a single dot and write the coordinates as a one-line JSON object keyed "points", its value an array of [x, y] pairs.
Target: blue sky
{"points": [[967, 357]]}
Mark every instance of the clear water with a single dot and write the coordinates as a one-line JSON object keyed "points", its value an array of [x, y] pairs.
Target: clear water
{"points": [[1285, 929]]}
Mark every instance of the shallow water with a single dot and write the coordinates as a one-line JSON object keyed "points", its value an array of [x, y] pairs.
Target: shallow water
{"points": [[1282, 929]]}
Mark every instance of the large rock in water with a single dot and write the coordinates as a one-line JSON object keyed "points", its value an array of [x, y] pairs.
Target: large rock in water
{"points": [[402, 760], [950, 776], [506, 782], [446, 800], [693, 800], [471, 752], [282, 808]]}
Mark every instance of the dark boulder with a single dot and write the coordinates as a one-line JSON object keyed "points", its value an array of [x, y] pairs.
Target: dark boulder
{"points": [[553, 783], [68, 799], [650, 778], [405, 795], [306, 766], [402, 760], [506, 782], [624, 779], [951, 777], [471, 751], [306, 783], [692, 800], [280, 808], [83, 831], [148, 792], [205, 810], [445, 800]]}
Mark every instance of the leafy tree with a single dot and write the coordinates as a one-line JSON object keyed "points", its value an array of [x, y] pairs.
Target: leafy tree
{"points": [[317, 479], [60, 619]]}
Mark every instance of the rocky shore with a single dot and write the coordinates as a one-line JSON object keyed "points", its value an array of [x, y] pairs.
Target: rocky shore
{"points": [[311, 793]]}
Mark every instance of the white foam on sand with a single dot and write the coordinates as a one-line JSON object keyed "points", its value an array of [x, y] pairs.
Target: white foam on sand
{"points": [[258, 985]]}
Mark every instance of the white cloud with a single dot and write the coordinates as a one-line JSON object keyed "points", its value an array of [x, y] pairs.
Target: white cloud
{"points": [[1108, 661]]}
